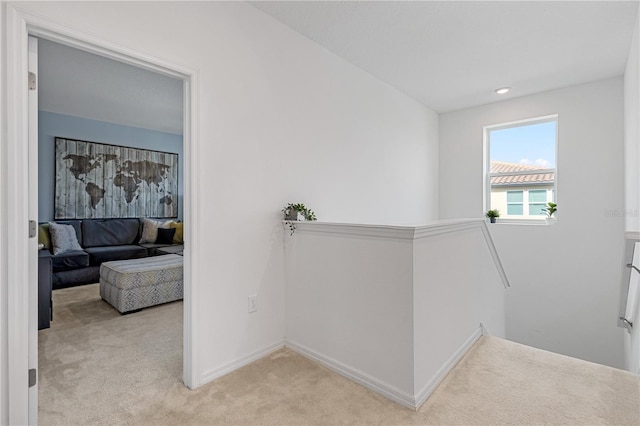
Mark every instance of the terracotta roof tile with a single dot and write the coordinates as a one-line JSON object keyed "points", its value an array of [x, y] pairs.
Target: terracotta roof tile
{"points": [[538, 174]]}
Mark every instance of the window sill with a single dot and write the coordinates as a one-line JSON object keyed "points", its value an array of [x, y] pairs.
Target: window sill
{"points": [[527, 222]]}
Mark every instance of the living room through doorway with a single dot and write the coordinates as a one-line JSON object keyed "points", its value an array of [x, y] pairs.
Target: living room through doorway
{"points": [[89, 97]]}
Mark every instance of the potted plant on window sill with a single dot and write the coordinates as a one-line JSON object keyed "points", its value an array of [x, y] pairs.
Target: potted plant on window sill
{"points": [[292, 213], [551, 210], [492, 214]]}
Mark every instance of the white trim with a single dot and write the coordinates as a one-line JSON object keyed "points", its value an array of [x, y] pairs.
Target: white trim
{"points": [[352, 229], [632, 235], [526, 222], [485, 330], [191, 354], [17, 216], [495, 256], [399, 232], [32, 135], [486, 171], [20, 25], [630, 241], [425, 393], [558, 162], [388, 391], [523, 122], [376, 385], [42, 28], [231, 366], [447, 226], [4, 403]]}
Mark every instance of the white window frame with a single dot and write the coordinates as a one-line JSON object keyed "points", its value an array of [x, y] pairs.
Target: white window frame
{"points": [[486, 172]]}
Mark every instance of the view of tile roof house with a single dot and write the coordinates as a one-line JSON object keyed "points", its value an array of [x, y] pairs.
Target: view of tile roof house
{"points": [[513, 183], [520, 174]]}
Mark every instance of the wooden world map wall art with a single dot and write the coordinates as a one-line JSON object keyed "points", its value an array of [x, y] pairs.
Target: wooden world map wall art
{"points": [[95, 180]]}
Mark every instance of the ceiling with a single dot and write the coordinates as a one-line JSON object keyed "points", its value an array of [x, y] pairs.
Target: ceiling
{"points": [[448, 55], [451, 55], [81, 84]]}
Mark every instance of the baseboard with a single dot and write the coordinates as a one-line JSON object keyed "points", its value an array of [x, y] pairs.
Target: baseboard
{"points": [[227, 368], [426, 392], [378, 386], [485, 330]]}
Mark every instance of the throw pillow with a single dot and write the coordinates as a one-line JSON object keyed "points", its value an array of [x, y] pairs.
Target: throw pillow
{"points": [[63, 238], [43, 235], [150, 230], [178, 237], [165, 236]]}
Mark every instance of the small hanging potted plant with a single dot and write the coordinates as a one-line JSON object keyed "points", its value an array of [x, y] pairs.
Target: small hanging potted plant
{"points": [[492, 214], [292, 213], [550, 210]]}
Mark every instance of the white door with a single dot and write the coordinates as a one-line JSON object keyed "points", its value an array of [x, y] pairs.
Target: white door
{"points": [[33, 216]]}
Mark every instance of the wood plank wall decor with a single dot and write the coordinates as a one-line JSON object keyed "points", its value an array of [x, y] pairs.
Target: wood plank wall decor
{"points": [[96, 180]]}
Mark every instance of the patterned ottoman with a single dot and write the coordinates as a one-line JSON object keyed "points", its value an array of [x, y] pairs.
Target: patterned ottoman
{"points": [[130, 285]]}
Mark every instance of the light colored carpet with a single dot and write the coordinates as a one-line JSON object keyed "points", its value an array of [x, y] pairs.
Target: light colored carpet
{"points": [[97, 367]]}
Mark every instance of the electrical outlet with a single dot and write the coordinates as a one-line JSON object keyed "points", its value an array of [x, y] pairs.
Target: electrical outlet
{"points": [[253, 303]]}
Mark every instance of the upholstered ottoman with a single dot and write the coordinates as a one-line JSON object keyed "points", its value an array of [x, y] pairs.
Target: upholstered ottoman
{"points": [[130, 285]]}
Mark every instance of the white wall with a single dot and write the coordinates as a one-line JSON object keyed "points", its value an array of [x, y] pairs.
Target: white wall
{"points": [[456, 287], [632, 135], [4, 401], [565, 277], [632, 172], [350, 302], [279, 120]]}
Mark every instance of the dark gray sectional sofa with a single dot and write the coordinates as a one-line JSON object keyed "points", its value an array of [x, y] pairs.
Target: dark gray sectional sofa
{"points": [[102, 240]]}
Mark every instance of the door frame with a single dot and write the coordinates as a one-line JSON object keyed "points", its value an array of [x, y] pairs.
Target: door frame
{"points": [[33, 213], [19, 27]]}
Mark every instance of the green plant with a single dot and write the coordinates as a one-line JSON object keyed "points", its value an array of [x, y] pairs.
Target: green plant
{"points": [[291, 214], [550, 209], [492, 213]]}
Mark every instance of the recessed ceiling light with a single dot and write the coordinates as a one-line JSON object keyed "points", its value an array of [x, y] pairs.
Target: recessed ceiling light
{"points": [[503, 90]]}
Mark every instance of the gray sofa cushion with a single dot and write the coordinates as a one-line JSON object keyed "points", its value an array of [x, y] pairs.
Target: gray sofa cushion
{"points": [[69, 260], [97, 255], [152, 249], [111, 232], [63, 279]]}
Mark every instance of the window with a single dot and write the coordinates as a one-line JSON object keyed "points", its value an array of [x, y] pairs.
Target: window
{"points": [[514, 203], [537, 202], [520, 168]]}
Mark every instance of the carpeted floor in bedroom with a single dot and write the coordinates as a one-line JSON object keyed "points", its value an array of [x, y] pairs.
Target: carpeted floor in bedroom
{"points": [[98, 367]]}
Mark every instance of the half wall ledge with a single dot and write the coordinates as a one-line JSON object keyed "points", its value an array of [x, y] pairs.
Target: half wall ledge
{"points": [[409, 232], [392, 307]]}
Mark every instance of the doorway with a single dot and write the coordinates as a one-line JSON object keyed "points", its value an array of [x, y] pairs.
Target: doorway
{"points": [[22, 259], [92, 106]]}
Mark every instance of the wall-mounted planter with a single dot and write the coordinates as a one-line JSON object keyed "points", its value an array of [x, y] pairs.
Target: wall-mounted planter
{"points": [[291, 215]]}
